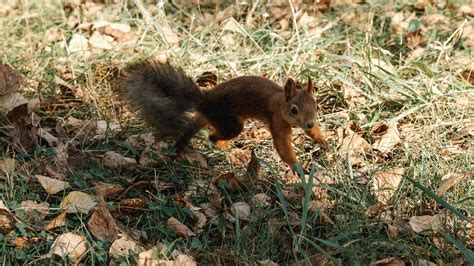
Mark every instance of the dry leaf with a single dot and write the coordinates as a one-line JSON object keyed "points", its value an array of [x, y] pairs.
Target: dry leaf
{"points": [[123, 246], [99, 41], [202, 219], [58, 221], [78, 43], [128, 205], [254, 169], [421, 4], [9, 101], [7, 168], [48, 137], [239, 157], [6, 219], [426, 223], [241, 210], [34, 212], [102, 225], [9, 80], [59, 170], [260, 200], [373, 210], [267, 262], [388, 140], [393, 232], [353, 146], [50, 185], [182, 230], [386, 183], [149, 158], [152, 258], [104, 127], [467, 131], [106, 189], [393, 261], [195, 158], [20, 242], [77, 201], [466, 11], [116, 161], [71, 245], [450, 180], [227, 181]]}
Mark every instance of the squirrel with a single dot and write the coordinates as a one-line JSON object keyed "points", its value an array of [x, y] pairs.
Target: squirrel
{"points": [[171, 102]]}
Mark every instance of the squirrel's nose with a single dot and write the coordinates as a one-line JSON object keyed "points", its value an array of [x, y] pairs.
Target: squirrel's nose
{"points": [[309, 124]]}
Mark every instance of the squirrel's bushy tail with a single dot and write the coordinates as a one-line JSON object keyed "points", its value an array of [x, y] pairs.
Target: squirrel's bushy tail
{"points": [[165, 96]]}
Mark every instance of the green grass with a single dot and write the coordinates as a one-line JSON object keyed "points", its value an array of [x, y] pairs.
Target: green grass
{"points": [[425, 96]]}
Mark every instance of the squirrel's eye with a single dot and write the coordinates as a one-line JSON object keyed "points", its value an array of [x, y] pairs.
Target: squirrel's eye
{"points": [[294, 110]]}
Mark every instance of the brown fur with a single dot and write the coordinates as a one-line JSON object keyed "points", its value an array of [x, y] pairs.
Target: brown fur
{"points": [[171, 102]]}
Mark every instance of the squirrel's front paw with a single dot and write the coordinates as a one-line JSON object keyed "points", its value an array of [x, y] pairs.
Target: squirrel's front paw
{"points": [[323, 143]]}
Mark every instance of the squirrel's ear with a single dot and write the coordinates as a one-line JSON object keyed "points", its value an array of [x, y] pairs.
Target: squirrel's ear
{"points": [[309, 87], [290, 89]]}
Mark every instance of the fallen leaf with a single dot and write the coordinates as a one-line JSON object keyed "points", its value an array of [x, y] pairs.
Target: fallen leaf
{"points": [[386, 183], [241, 210], [102, 225], [388, 140], [261, 200], [129, 205], [122, 246], [421, 4], [7, 168], [373, 210], [71, 245], [195, 158], [103, 127], [9, 101], [20, 242], [78, 43], [150, 159], [392, 261], [467, 131], [227, 181], [99, 41], [48, 137], [23, 132], [450, 180], [393, 232], [353, 147], [116, 161], [60, 168], [268, 262], [202, 219], [466, 11], [34, 212], [6, 219], [107, 189], [426, 224], [239, 157], [77, 201], [152, 258], [254, 169], [58, 221], [9, 79], [182, 230], [50, 185]]}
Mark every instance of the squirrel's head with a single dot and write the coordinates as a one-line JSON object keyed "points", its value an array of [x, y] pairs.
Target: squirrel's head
{"points": [[300, 106]]}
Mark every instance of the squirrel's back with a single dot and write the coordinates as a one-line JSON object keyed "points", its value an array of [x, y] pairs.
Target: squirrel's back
{"points": [[165, 96]]}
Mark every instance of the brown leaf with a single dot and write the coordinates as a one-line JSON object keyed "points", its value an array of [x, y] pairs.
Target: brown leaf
{"points": [[77, 201], [78, 43], [239, 157], [130, 205], [23, 131], [9, 79], [20, 242], [421, 4], [227, 181], [99, 41], [60, 168], [7, 168], [149, 158], [34, 212], [450, 180], [122, 246], [107, 189], [116, 161], [254, 169], [182, 230], [467, 131], [241, 210], [393, 231], [71, 245], [9, 101], [260, 200], [393, 261], [6, 219], [48, 137], [50, 185], [388, 140], [353, 146], [426, 224], [102, 225], [195, 158], [58, 221], [386, 183]]}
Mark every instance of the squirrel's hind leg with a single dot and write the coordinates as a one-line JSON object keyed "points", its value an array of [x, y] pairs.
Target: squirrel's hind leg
{"points": [[225, 131]]}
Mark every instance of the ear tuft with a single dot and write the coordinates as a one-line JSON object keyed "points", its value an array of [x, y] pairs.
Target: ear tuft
{"points": [[290, 89], [309, 87]]}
